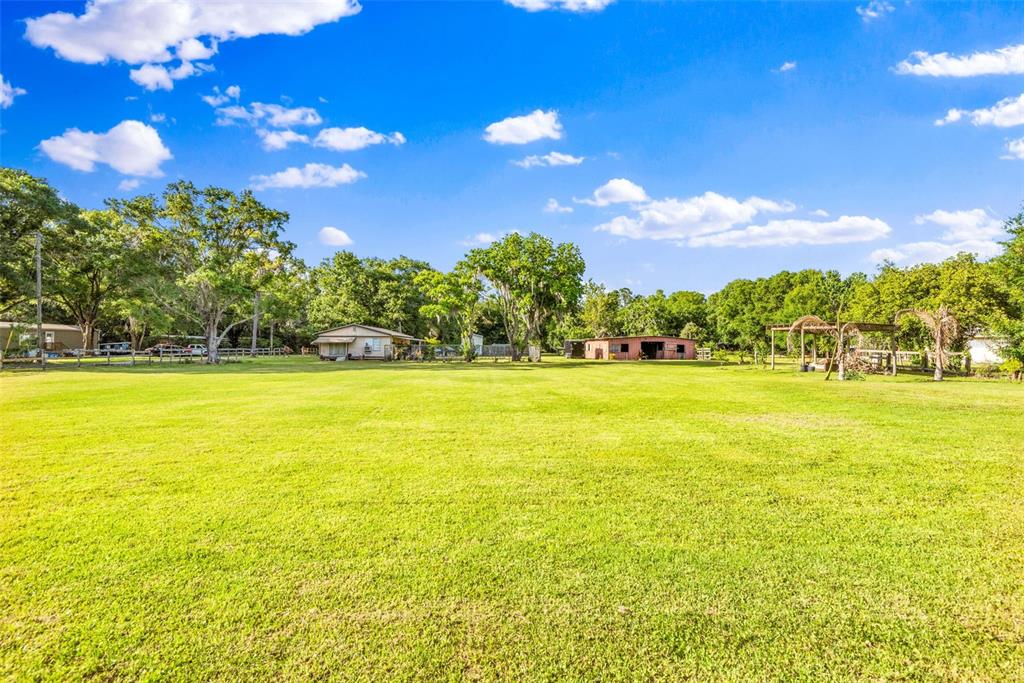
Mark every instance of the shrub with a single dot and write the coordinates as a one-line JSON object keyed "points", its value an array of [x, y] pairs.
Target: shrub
{"points": [[1013, 367]]}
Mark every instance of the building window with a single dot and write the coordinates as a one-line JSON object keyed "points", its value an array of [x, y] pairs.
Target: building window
{"points": [[624, 348], [681, 349], [376, 345], [613, 348], [48, 336], [588, 347]]}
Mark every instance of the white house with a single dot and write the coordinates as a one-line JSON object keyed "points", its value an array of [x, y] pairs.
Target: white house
{"points": [[359, 342]]}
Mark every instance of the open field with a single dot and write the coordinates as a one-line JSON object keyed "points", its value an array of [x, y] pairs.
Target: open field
{"points": [[293, 519]]}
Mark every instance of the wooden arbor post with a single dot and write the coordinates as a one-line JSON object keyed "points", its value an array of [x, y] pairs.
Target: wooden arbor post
{"points": [[803, 350], [773, 348]]}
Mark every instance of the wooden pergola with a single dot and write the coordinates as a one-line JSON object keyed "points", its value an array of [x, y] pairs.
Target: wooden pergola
{"points": [[814, 326]]}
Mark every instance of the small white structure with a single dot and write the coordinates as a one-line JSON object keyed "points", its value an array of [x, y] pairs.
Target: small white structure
{"points": [[359, 342], [986, 350]]}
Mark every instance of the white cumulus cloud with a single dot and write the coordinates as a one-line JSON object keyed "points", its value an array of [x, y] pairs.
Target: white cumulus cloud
{"points": [[1005, 113], [1014, 149], [8, 92], [130, 147], [615, 191], [232, 92], [519, 130], [334, 237], [875, 9], [274, 140], [1005, 60], [159, 77], [155, 32], [310, 175], [550, 159], [274, 115], [128, 184], [554, 207], [351, 139], [567, 5], [787, 66]]}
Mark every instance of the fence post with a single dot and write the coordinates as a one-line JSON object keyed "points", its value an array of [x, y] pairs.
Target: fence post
{"points": [[108, 356], [79, 356], [133, 358]]}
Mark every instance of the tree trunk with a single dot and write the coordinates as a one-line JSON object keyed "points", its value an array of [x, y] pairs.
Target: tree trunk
{"points": [[87, 332], [256, 323], [212, 342]]}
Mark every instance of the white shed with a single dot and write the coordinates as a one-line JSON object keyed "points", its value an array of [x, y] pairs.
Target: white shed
{"points": [[986, 350]]}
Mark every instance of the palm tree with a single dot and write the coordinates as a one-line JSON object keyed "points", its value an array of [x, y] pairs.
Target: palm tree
{"points": [[943, 327]]}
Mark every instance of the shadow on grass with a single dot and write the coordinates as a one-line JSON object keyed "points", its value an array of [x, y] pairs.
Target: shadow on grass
{"points": [[312, 365]]}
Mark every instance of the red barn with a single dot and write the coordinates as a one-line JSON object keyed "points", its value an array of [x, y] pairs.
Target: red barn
{"points": [[640, 348]]}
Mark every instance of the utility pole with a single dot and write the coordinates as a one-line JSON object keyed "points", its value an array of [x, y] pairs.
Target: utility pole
{"points": [[39, 298], [255, 322]]}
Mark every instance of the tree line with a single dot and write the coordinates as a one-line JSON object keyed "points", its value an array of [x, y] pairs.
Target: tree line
{"points": [[214, 263]]}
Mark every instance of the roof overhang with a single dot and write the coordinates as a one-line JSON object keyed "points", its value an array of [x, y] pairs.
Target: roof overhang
{"points": [[326, 339]]}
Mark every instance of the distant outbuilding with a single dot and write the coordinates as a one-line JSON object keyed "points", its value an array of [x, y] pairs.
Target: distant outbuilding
{"points": [[640, 348]]}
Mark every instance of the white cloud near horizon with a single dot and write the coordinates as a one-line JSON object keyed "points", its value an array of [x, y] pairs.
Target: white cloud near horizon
{"points": [[553, 206], [131, 148], [974, 231], [8, 92], [334, 237], [351, 139], [310, 175], [519, 130], [715, 220], [963, 226], [791, 232], [480, 239], [615, 191], [566, 5], [1005, 60], [914, 253], [681, 220], [549, 159], [1005, 113], [152, 33]]}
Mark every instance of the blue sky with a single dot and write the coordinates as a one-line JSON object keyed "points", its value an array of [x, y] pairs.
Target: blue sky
{"points": [[724, 163]]}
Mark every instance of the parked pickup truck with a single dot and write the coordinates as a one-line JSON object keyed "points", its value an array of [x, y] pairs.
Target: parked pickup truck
{"points": [[196, 349]]}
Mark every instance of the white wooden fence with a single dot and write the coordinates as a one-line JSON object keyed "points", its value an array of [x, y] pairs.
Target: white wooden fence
{"points": [[78, 358]]}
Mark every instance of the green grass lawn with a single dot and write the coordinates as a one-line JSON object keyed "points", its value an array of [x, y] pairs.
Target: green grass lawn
{"points": [[286, 518]]}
